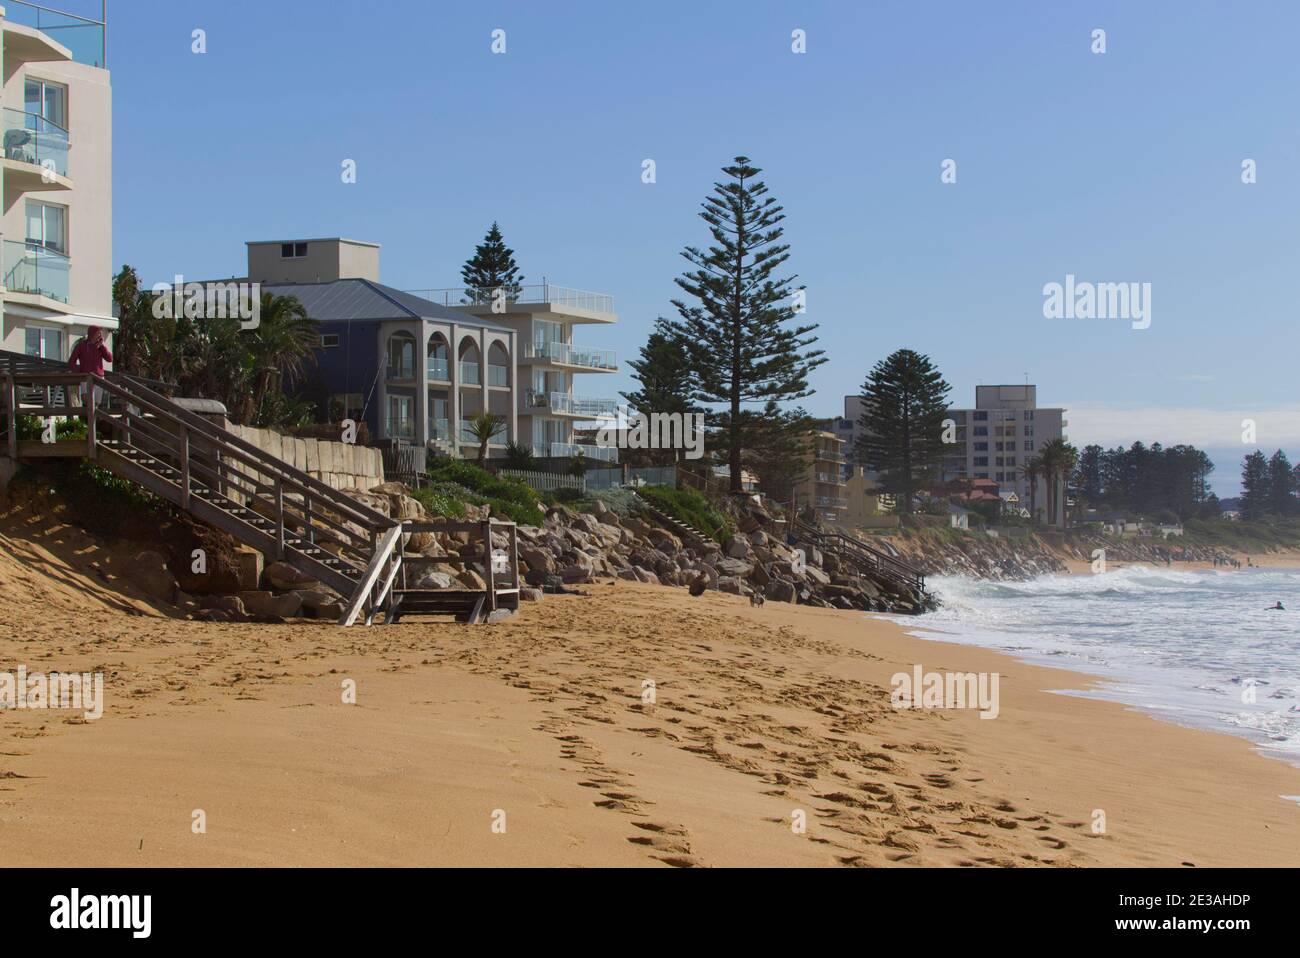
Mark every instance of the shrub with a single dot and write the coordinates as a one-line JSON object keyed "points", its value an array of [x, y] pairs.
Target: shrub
{"points": [[690, 507], [509, 498]]}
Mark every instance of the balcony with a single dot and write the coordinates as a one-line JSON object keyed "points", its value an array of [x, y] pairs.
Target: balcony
{"points": [[400, 370], [34, 269], [832, 479], [498, 376], [594, 307], [469, 374], [439, 430], [559, 450], [30, 28], [565, 354], [565, 404], [439, 369], [830, 455], [832, 502], [35, 152]]}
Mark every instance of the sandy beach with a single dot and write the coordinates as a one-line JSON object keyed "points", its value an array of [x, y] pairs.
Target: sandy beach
{"points": [[534, 743]]}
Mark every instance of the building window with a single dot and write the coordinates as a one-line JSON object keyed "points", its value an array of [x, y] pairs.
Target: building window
{"points": [[401, 417], [1029, 447], [981, 447], [981, 460], [43, 100], [981, 430], [981, 415], [45, 343], [47, 225], [329, 340], [346, 406], [293, 250]]}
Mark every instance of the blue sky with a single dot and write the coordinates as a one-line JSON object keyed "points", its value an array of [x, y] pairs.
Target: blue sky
{"points": [[1122, 167]]}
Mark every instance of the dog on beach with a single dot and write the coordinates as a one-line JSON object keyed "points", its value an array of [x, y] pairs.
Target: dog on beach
{"points": [[756, 599]]}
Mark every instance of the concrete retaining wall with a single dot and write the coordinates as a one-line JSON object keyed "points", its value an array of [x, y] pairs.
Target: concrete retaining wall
{"points": [[337, 464]]}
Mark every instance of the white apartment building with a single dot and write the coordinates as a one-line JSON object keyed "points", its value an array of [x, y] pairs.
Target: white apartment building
{"points": [[57, 174], [996, 438], [544, 318]]}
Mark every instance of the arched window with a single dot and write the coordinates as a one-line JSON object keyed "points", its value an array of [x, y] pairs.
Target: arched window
{"points": [[401, 356], [439, 355], [498, 370], [469, 364]]}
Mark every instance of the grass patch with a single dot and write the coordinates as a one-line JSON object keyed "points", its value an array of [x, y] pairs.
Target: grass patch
{"points": [[457, 482], [690, 507]]}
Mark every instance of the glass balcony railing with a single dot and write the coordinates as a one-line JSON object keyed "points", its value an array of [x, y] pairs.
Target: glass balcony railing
{"points": [[498, 375], [401, 369], [498, 437], [30, 138], [469, 374], [439, 369], [568, 405], [541, 293], [571, 355], [32, 268], [83, 36], [439, 429], [585, 449]]}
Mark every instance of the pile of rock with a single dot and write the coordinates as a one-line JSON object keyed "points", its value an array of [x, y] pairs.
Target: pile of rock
{"points": [[578, 547]]}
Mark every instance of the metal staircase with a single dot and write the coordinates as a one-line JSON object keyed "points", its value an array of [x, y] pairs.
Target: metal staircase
{"points": [[866, 559], [212, 474]]}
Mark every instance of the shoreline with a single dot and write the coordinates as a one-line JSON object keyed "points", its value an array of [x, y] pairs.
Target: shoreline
{"points": [[759, 714]]}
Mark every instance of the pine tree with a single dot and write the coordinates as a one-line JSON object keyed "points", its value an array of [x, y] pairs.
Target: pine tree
{"points": [[780, 444], [905, 402], [492, 267], [738, 334], [1254, 486], [664, 372], [1281, 485]]}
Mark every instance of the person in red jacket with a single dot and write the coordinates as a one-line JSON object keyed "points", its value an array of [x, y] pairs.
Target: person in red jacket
{"points": [[89, 356]]}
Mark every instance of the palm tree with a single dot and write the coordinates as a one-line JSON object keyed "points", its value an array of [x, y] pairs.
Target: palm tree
{"points": [[282, 342], [483, 427], [1058, 458], [1032, 470]]}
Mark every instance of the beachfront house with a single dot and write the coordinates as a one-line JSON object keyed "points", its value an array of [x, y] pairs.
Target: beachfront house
{"points": [[411, 369], [544, 319], [57, 180]]}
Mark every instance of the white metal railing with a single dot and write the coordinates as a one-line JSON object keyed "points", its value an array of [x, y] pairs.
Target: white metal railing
{"points": [[538, 293], [587, 450], [571, 355], [566, 404]]}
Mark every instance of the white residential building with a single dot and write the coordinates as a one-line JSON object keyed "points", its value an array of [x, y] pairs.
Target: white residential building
{"points": [[996, 438], [544, 318], [57, 179]]}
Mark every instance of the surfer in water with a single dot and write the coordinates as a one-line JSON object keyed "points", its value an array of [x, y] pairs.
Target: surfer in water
{"points": [[1275, 608]]}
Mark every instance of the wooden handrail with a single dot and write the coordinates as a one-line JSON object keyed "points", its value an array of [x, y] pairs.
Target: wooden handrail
{"points": [[383, 551]]}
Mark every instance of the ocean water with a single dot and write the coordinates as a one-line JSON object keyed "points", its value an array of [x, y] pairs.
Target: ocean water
{"points": [[1181, 645]]}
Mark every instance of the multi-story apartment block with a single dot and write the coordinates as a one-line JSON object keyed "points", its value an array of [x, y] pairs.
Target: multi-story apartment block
{"points": [[57, 179], [996, 438], [372, 336], [822, 486], [543, 318]]}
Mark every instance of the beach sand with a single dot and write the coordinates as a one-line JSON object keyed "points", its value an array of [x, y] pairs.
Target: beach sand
{"points": [[539, 727]]}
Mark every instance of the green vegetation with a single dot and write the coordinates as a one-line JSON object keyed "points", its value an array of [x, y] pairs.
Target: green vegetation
{"points": [[455, 483], [31, 427], [97, 500], [1243, 536], [690, 507]]}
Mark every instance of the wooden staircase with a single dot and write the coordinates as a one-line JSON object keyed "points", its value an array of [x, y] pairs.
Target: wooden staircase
{"points": [[865, 559], [208, 472], [464, 605]]}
